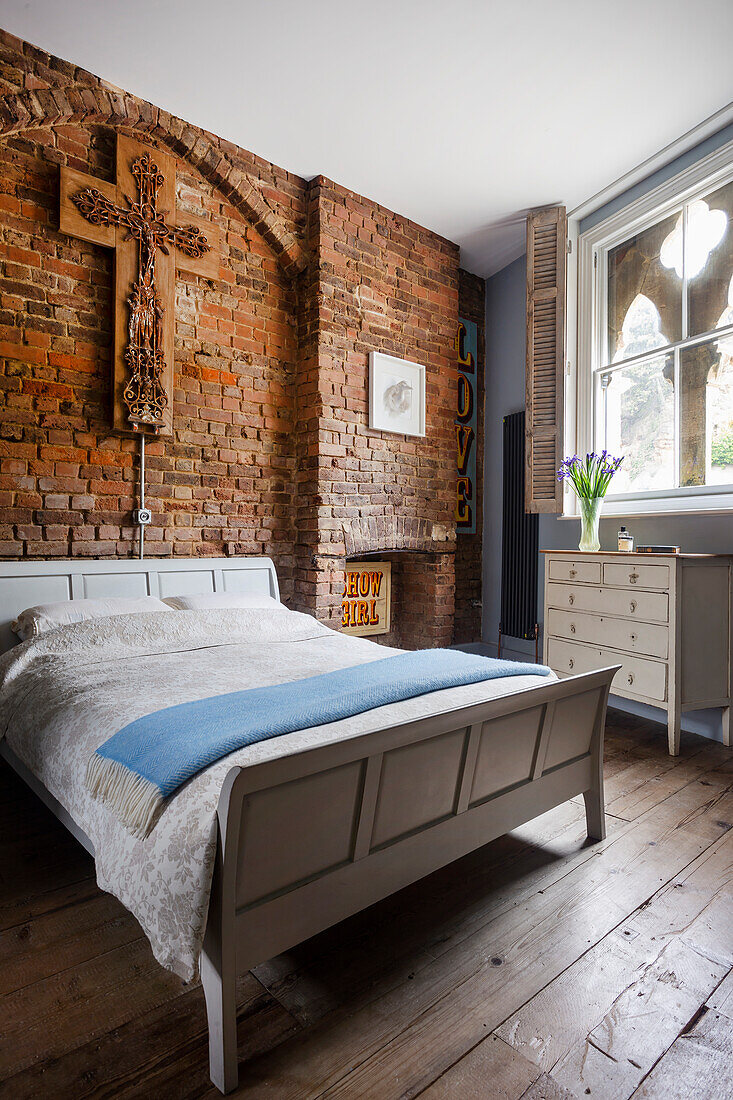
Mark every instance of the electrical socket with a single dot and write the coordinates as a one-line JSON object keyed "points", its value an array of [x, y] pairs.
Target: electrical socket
{"points": [[143, 516]]}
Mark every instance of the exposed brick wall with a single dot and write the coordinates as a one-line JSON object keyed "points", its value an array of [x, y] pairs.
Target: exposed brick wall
{"points": [[385, 284], [223, 482], [467, 622], [271, 450]]}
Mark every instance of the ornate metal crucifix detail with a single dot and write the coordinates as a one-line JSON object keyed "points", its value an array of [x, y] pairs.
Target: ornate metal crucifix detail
{"points": [[144, 394], [145, 271]]}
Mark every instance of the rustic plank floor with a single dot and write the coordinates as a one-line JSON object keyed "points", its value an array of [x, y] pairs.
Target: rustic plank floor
{"points": [[540, 967]]}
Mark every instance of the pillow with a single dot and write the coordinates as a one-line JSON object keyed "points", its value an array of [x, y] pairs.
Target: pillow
{"points": [[208, 601], [35, 621]]}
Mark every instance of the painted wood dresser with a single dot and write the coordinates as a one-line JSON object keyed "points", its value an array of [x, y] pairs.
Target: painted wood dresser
{"points": [[667, 619]]}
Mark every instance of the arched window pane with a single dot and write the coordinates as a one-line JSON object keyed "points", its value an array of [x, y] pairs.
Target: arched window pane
{"points": [[641, 330], [635, 268], [709, 256]]}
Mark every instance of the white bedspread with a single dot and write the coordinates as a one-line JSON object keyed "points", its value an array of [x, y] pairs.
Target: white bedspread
{"points": [[62, 696]]}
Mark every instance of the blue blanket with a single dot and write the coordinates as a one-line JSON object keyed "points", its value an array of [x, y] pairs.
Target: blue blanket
{"points": [[146, 761]]}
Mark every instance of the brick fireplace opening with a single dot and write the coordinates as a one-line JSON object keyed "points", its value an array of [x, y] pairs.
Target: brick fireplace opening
{"points": [[422, 554]]}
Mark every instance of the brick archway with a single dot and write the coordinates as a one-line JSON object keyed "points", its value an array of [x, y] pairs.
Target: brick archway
{"points": [[368, 534], [48, 107]]}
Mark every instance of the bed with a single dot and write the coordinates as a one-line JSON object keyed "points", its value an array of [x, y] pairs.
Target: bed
{"points": [[229, 877]]}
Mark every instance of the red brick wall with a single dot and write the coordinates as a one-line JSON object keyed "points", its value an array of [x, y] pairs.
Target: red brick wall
{"points": [[223, 482], [467, 622], [271, 450], [385, 284]]}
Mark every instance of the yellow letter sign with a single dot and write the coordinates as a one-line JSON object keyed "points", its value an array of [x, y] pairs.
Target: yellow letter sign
{"points": [[365, 604]]}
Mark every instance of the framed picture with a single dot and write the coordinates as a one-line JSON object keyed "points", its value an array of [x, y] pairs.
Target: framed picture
{"points": [[396, 395], [367, 597]]}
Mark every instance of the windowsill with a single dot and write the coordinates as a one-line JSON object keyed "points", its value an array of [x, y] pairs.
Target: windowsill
{"points": [[712, 504]]}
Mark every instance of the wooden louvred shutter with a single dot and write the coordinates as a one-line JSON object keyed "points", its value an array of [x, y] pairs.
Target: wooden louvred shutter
{"points": [[546, 255]]}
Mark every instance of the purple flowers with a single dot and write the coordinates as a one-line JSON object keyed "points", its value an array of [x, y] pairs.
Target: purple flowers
{"points": [[590, 477]]}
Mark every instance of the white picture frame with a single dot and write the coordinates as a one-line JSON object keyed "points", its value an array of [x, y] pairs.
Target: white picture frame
{"points": [[396, 395]]}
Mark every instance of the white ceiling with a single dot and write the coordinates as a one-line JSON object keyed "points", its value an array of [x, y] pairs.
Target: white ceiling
{"points": [[460, 115]]}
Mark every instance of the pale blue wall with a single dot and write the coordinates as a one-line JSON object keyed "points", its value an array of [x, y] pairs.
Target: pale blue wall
{"points": [[505, 356], [505, 364], [692, 156]]}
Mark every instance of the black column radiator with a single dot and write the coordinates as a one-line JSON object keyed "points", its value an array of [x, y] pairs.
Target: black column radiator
{"points": [[519, 542]]}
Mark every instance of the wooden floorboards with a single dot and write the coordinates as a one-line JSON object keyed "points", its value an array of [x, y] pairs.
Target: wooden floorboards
{"points": [[540, 967]]}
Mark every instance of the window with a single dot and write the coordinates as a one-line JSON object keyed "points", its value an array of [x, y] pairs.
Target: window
{"points": [[655, 381]]}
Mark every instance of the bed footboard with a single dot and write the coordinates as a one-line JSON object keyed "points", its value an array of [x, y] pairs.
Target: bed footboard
{"points": [[309, 839]]}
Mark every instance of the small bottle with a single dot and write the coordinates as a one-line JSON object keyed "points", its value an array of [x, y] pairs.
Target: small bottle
{"points": [[625, 541]]}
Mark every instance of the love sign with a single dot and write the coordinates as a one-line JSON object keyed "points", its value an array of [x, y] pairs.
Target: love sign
{"points": [[465, 427]]}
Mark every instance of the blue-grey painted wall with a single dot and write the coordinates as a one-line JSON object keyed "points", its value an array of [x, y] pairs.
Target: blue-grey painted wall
{"points": [[506, 314], [692, 156], [505, 367]]}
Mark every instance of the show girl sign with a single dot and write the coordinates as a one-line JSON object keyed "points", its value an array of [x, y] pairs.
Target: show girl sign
{"points": [[465, 425], [365, 604]]}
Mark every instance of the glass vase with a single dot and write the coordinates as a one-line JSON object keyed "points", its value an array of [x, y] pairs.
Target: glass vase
{"points": [[590, 514]]}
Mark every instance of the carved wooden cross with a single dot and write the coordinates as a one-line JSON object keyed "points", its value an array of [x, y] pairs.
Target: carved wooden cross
{"points": [[130, 216]]}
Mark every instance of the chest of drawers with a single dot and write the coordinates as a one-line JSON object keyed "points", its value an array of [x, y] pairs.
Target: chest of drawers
{"points": [[666, 619]]}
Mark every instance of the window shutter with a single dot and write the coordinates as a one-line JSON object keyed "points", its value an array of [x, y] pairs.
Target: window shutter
{"points": [[546, 254]]}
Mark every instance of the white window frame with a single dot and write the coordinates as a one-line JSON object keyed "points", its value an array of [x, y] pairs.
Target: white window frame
{"points": [[586, 306]]}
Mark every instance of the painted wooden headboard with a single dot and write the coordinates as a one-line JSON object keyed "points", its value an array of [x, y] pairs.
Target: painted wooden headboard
{"points": [[25, 583]]}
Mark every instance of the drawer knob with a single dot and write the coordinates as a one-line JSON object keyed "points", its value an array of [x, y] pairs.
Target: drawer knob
{"points": [[632, 605], [571, 598], [633, 637], [572, 628], [633, 577], [572, 572], [630, 678], [571, 663]]}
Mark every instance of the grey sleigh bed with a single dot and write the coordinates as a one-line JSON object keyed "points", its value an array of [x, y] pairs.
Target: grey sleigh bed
{"points": [[383, 809]]}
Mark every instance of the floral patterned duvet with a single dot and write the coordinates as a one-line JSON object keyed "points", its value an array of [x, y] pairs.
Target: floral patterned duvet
{"points": [[63, 694]]}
